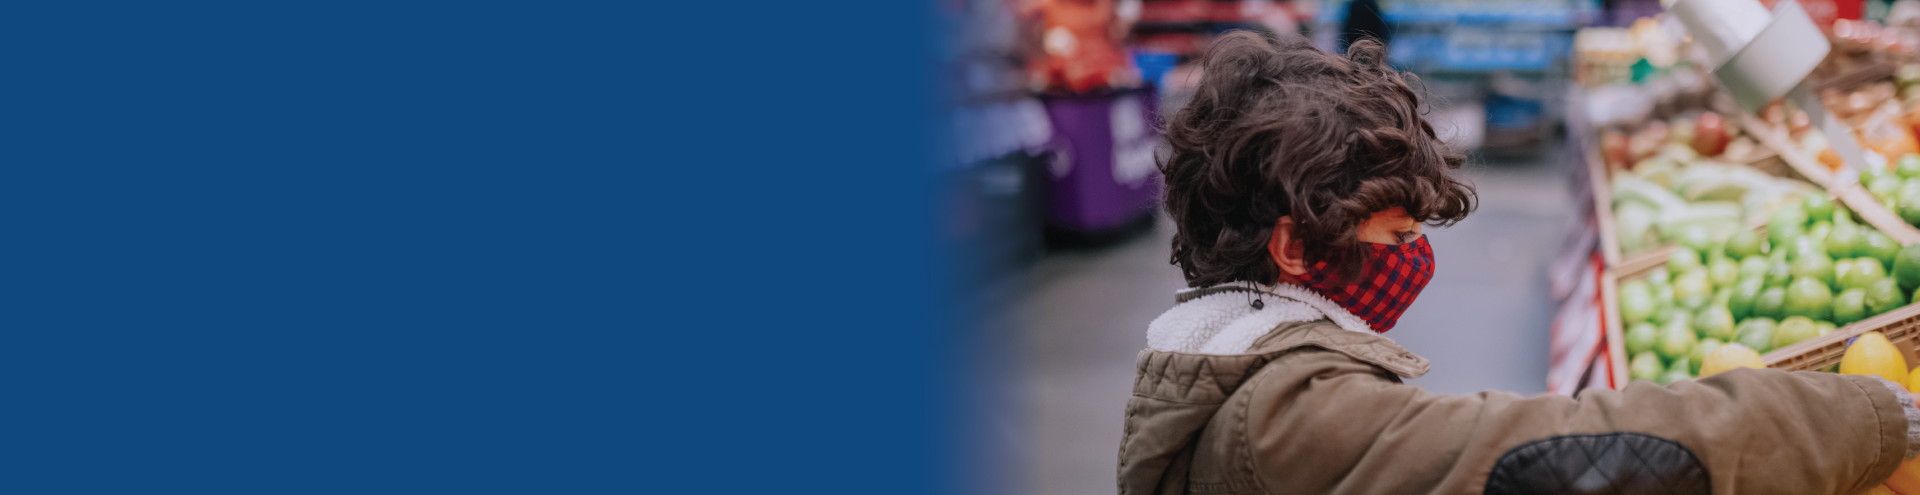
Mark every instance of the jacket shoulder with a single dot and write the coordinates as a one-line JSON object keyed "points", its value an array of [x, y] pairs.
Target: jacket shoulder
{"points": [[1365, 347], [1237, 447]]}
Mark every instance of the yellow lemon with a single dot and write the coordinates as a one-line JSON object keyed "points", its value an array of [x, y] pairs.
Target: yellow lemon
{"points": [[1730, 356], [1871, 354], [1913, 380], [1905, 480], [1880, 490]]}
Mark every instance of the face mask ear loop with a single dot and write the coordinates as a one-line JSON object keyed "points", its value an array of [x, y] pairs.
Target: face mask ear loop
{"points": [[1253, 296]]}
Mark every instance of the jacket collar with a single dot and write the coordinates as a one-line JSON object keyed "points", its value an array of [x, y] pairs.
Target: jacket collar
{"points": [[1226, 319], [1288, 292], [1223, 321]]}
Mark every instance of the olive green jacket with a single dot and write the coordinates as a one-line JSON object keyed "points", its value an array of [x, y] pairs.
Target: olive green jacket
{"points": [[1311, 407]]}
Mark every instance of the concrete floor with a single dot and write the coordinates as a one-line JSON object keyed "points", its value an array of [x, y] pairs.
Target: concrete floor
{"points": [[1082, 317]]}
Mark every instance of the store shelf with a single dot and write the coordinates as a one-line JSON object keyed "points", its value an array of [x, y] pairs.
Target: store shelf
{"points": [[1845, 71], [1811, 354], [1618, 267]]}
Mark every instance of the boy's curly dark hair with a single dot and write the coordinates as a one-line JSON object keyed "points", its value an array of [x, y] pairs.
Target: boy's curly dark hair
{"points": [[1277, 127]]}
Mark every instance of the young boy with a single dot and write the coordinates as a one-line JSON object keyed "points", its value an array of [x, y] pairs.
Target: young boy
{"points": [[1299, 182]]}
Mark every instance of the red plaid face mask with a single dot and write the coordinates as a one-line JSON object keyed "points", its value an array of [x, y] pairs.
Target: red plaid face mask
{"points": [[1392, 276]]}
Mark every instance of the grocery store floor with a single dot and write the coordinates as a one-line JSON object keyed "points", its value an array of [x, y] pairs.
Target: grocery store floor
{"points": [[1482, 321]]}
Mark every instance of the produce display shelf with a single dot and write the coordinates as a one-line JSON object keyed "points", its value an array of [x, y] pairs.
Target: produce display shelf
{"points": [[1846, 72], [1599, 178], [1901, 326]]}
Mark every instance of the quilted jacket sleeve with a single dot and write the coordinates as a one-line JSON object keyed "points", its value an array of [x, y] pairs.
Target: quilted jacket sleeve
{"points": [[1744, 431]]}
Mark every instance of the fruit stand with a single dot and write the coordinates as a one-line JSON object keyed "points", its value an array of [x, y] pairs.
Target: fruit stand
{"points": [[1713, 224]]}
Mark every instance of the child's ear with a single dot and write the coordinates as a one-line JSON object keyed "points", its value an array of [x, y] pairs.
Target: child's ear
{"points": [[1286, 250]]}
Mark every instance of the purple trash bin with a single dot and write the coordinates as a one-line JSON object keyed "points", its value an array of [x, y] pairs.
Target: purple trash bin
{"points": [[1104, 178]]}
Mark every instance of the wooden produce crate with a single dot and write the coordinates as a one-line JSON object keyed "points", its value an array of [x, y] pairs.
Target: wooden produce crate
{"points": [[1600, 180], [1780, 158], [1616, 332], [1901, 326], [1629, 267]]}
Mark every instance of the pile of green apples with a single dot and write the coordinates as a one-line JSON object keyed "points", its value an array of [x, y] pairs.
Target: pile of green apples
{"points": [[1813, 270], [1899, 188]]}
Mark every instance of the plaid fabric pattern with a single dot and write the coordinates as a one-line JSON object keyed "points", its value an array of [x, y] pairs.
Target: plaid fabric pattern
{"points": [[1392, 277]]}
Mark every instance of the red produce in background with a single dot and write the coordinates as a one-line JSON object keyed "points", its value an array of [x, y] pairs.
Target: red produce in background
{"points": [[1710, 134], [1613, 148], [1079, 45]]}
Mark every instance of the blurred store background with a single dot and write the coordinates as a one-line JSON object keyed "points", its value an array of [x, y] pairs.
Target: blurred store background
{"points": [[1052, 192]]}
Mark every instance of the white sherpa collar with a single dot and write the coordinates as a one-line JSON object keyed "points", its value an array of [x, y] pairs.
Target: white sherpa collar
{"points": [[1226, 322]]}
